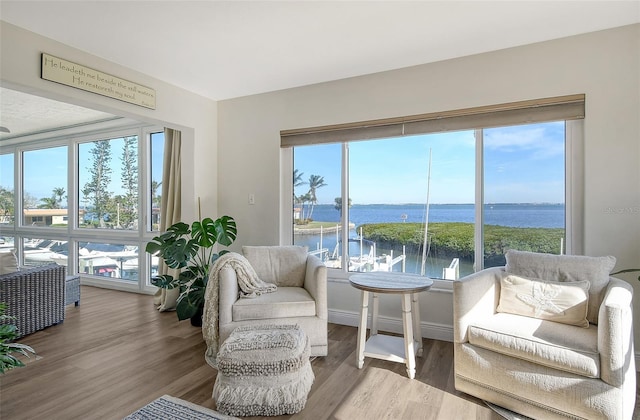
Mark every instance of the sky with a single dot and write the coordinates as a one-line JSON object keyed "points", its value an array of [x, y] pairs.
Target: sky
{"points": [[523, 164], [46, 169]]}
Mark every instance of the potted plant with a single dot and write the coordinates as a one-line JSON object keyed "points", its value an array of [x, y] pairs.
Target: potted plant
{"points": [[191, 248], [8, 333]]}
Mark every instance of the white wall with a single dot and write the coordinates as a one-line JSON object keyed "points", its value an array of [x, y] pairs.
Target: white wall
{"points": [[175, 108], [603, 65]]}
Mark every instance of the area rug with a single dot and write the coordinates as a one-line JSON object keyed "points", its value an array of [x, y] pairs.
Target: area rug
{"points": [[507, 414], [172, 408]]}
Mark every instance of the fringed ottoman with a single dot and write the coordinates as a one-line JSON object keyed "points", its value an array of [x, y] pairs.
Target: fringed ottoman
{"points": [[263, 371]]}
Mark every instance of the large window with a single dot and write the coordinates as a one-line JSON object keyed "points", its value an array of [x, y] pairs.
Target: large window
{"points": [[397, 201], [317, 202], [44, 190], [111, 260], [437, 204], [38, 251], [524, 190], [89, 201], [108, 181]]}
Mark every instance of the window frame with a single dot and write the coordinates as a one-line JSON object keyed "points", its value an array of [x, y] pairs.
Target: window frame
{"points": [[573, 179], [72, 233]]}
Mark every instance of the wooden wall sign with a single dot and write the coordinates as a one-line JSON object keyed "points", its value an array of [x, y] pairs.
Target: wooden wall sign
{"points": [[81, 77]]}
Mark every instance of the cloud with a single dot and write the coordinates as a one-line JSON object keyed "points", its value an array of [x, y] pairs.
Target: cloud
{"points": [[539, 141]]}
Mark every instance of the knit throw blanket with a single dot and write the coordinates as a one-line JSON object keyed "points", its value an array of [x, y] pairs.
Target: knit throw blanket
{"points": [[250, 286]]}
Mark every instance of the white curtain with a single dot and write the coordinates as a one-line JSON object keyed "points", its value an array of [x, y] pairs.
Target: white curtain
{"points": [[165, 299]]}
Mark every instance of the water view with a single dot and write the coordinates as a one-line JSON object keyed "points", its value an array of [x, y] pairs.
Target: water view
{"points": [[544, 217]]}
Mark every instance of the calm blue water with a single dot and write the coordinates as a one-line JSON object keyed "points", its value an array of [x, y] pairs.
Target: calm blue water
{"points": [[514, 215]]}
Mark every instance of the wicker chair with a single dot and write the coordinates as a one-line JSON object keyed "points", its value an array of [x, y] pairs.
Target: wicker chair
{"points": [[34, 296]]}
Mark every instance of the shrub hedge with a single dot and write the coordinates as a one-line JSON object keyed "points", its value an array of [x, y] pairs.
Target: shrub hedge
{"points": [[451, 240]]}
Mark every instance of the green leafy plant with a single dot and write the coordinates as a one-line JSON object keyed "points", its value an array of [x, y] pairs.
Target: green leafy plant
{"points": [[8, 349], [190, 248]]}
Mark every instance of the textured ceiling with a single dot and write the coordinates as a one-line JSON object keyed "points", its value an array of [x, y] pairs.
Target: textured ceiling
{"points": [[25, 114]]}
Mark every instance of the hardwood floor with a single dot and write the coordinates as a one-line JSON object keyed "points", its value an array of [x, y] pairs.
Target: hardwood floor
{"points": [[115, 353]]}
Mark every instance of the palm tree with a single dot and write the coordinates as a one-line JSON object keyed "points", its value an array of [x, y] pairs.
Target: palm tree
{"points": [[302, 199], [48, 203], [55, 201], [338, 205], [59, 193], [297, 182], [315, 182], [297, 178]]}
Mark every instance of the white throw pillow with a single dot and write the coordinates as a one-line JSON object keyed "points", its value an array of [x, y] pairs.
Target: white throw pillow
{"points": [[564, 302], [565, 268], [8, 262]]}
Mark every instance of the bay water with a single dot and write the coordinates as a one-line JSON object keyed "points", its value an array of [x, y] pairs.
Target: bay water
{"points": [[522, 215]]}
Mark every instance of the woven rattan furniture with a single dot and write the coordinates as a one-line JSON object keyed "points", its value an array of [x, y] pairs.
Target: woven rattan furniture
{"points": [[72, 290], [263, 370], [34, 296]]}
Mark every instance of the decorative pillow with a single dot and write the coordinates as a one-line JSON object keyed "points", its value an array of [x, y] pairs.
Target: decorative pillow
{"points": [[562, 302], [8, 262], [565, 268], [284, 266]]}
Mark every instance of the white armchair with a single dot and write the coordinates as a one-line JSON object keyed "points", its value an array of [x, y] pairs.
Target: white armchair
{"points": [[536, 366], [301, 297]]}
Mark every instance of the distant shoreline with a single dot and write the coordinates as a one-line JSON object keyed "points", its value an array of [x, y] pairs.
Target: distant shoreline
{"points": [[515, 215]]}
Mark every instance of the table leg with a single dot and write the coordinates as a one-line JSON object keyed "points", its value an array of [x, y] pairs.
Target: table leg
{"points": [[374, 315], [417, 330], [362, 329], [407, 323]]}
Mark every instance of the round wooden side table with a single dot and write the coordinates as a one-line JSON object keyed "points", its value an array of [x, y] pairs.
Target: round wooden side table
{"points": [[386, 347]]}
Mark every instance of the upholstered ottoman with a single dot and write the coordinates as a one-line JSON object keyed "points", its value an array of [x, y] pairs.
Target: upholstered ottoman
{"points": [[263, 370]]}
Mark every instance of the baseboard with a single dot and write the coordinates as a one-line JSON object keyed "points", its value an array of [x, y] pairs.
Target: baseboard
{"points": [[394, 325]]}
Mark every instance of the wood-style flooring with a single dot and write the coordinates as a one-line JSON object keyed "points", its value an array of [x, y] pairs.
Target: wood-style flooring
{"points": [[115, 353]]}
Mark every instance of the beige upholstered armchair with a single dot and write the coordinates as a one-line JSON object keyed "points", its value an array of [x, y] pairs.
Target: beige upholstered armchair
{"points": [[301, 297], [547, 336]]}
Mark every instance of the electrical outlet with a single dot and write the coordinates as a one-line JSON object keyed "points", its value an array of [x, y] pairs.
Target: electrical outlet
{"points": [[252, 199]]}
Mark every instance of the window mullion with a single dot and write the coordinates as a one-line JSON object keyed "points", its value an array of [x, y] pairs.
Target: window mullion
{"points": [[345, 207], [73, 206], [478, 263]]}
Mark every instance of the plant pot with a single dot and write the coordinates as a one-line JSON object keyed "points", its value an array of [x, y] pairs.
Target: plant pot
{"points": [[196, 320]]}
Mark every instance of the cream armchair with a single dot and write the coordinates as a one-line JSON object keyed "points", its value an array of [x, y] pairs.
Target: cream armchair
{"points": [[540, 367], [301, 297]]}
